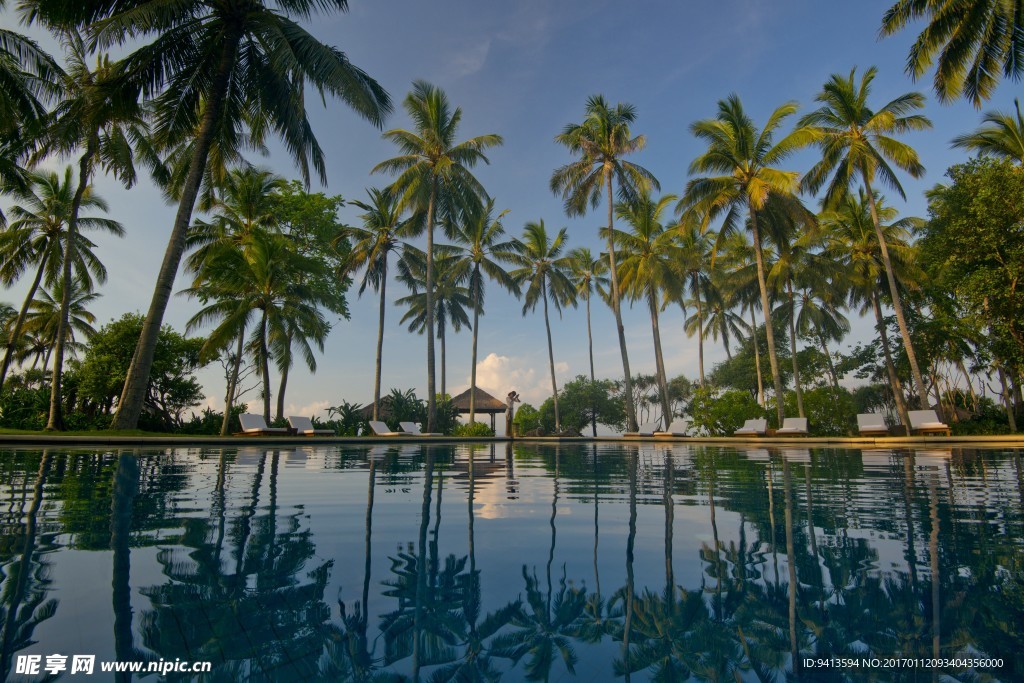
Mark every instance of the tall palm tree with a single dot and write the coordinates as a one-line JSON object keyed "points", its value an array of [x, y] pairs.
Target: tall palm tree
{"points": [[696, 256], [851, 241], [434, 178], [646, 271], [482, 255], [545, 272], [211, 67], [44, 319], [1000, 134], [451, 297], [856, 142], [748, 158], [974, 40], [588, 274], [100, 119], [381, 234], [601, 141], [37, 237]]}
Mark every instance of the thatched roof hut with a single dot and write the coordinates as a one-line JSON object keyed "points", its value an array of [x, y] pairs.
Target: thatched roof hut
{"points": [[485, 403]]}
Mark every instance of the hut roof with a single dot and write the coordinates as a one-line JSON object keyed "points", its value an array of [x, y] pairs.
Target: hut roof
{"points": [[485, 403]]}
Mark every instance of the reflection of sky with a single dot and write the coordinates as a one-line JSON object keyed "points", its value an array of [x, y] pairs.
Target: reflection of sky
{"points": [[524, 70]]}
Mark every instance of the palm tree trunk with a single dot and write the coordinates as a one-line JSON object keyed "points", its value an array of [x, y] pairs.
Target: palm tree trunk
{"points": [[890, 367], [590, 350], [627, 383], [280, 392], [792, 352], [1007, 403], [19, 322], [229, 397], [429, 322], [551, 355], [129, 406], [380, 339], [766, 309], [56, 419], [757, 358], [444, 360], [659, 362], [897, 305], [970, 384], [472, 370], [265, 367], [828, 359], [700, 333]]}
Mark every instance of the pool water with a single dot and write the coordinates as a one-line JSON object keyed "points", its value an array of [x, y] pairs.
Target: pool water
{"points": [[486, 562]]}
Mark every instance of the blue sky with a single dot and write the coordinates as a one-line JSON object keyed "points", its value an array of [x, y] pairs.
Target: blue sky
{"points": [[524, 70]]}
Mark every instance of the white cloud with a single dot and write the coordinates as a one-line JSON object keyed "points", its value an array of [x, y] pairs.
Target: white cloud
{"points": [[471, 60], [498, 375]]}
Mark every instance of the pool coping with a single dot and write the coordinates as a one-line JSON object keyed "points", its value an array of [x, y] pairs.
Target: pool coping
{"points": [[892, 441]]}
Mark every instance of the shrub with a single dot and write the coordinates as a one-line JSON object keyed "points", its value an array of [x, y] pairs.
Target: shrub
{"points": [[830, 411], [346, 419], [473, 429], [526, 419], [720, 414]]}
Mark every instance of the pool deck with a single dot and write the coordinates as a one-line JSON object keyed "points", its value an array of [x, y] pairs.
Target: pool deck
{"points": [[1012, 441]]}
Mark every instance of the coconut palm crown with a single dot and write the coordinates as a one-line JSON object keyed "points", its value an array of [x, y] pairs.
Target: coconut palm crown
{"points": [[1000, 134]]}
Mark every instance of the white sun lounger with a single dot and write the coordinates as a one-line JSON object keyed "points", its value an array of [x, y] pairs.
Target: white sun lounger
{"points": [[754, 427], [869, 424], [304, 426], [255, 425], [413, 429], [927, 422], [677, 428], [381, 429], [793, 426], [643, 430]]}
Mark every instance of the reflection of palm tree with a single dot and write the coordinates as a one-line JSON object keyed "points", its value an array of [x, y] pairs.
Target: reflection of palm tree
{"points": [[23, 603], [791, 562], [126, 486]]}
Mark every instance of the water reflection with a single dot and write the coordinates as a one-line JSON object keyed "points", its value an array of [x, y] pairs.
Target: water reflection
{"points": [[481, 563]]}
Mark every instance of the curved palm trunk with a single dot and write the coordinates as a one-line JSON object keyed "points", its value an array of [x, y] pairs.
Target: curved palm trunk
{"points": [[897, 305], [828, 359], [429, 322], [766, 309], [590, 350], [19, 322], [890, 367], [129, 406], [229, 397], [551, 356], [627, 382], [265, 367], [700, 332], [380, 339], [659, 361], [284, 381], [792, 352], [56, 418], [757, 358]]}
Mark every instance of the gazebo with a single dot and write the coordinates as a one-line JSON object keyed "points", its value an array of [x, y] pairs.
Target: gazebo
{"points": [[485, 403]]}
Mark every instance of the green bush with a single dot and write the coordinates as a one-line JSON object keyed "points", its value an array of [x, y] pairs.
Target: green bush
{"points": [[526, 419], [830, 411], [473, 429], [346, 419], [721, 413]]}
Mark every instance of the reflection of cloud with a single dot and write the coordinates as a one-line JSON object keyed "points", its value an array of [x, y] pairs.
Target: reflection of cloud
{"points": [[497, 375]]}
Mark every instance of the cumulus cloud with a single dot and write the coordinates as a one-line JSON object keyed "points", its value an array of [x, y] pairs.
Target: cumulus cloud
{"points": [[497, 375]]}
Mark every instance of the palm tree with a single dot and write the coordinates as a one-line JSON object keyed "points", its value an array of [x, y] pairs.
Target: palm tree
{"points": [[587, 274], [601, 142], [44, 318], [1000, 134], [482, 255], [451, 298], [851, 241], [747, 158], [102, 120], [694, 264], [647, 269], [434, 177], [213, 67], [37, 237], [856, 142], [380, 235], [546, 274], [974, 40]]}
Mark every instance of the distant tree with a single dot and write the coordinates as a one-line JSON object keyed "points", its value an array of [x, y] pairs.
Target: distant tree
{"points": [[582, 402]]}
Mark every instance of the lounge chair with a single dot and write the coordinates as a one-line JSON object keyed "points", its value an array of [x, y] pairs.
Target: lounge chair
{"points": [[872, 424], [643, 430], [413, 429], [927, 422], [793, 426], [255, 425], [304, 426], [381, 429], [755, 427], [677, 428]]}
